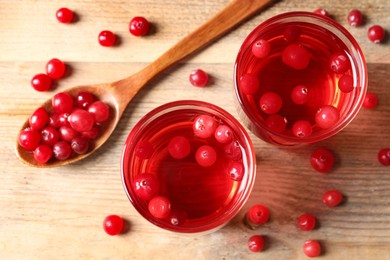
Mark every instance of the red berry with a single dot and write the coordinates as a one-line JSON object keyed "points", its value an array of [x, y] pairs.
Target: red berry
{"points": [[306, 222], [84, 99], [223, 134], [79, 145], [81, 120], [139, 26], [199, 78], [384, 156], [206, 155], [355, 18], [327, 116], [370, 101], [276, 123], [144, 150], [322, 160], [55, 68], [345, 83], [99, 110], [233, 151], [146, 186], [64, 15], [376, 33], [29, 139], [106, 38], [50, 136], [300, 94], [43, 153], [62, 150], [39, 119], [204, 126], [256, 243], [270, 103], [159, 207], [236, 170], [312, 248], [62, 103], [113, 225], [41, 82], [302, 128], [339, 62], [179, 147], [91, 134], [67, 133], [292, 33], [177, 217], [249, 84], [258, 214], [332, 198], [322, 12], [57, 120], [261, 48], [296, 56]]}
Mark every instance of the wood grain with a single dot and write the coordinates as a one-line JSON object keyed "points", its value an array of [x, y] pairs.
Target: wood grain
{"points": [[58, 213]]}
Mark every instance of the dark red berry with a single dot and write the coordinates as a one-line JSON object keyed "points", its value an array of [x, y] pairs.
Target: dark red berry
{"points": [[312, 248], [91, 134], [306, 222], [276, 123], [345, 83], [106, 38], [233, 151], [332, 198], [139, 26], [113, 225], [256, 243], [144, 150], [302, 128], [50, 135], [249, 84], [339, 62], [41, 82], [292, 33], [64, 15], [270, 103], [370, 101], [355, 17], [322, 160], [376, 33], [384, 156], [199, 78], [62, 150], [84, 99], [177, 217], [55, 68], [79, 145], [179, 147], [67, 133]]}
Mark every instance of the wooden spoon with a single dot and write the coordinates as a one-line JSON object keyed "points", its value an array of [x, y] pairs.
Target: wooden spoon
{"points": [[118, 94]]}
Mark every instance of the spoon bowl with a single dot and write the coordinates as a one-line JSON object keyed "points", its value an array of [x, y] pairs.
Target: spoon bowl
{"points": [[118, 94]]}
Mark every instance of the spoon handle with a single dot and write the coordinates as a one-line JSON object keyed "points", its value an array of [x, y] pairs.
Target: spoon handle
{"points": [[234, 13]]}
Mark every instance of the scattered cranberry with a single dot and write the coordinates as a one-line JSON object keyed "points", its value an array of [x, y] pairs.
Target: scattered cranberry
{"points": [[113, 225], [261, 48], [204, 126], [199, 78], [276, 123], [332, 198], [139, 26], [55, 68], [177, 217], [84, 99], [258, 214], [300, 94], [327, 116], [376, 33], [159, 207], [106, 38], [29, 139], [146, 186], [64, 15], [79, 145], [249, 84], [206, 156], [270, 103], [312, 248], [322, 160], [256, 243], [223, 134], [322, 12], [345, 83], [370, 101], [355, 18], [50, 136], [62, 103], [384, 156], [43, 153], [62, 150], [306, 222], [296, 56], [302, 128], [339, 62], [236, 170], [81, 120], [144, 150], [179, 147], [41, 82], [39, 119]]}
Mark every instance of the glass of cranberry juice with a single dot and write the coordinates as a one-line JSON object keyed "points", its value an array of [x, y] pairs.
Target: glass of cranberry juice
{"points": [[299, 78], [188, 166]]}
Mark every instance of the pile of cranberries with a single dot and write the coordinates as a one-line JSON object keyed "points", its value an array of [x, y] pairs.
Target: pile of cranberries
{"points": [[73, 122]]}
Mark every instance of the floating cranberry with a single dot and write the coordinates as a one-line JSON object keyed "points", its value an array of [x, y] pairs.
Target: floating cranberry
{"points": [[204, 126], [270, 103], [355, 17], [236, 170], [322, 160], [113, 225], [41, 82], [261, 48], [223, 134], [159, 207], [62, 103], [370, 101], [332, 198], [62, 150], [84, 99], [39, 119], [179, 147], [55, 68], [339, 62], [177, 217], [258, 214], [322, 11], [146, 186], [249, 84], [206, 156], [233, 151], [199, 78], [256, 243], [64, 15], [100, 110], [29, 139], [81, 120], [292, 33], [312, 248], [106, 38], [302, 128], [276, 123], [139, 26], [144, 150], [376, 33], [327, 116], [50, 136], [300, 94], [79, 145], [384, 156], [43, 153], [306, 222], [345, 83], [296, 56]]}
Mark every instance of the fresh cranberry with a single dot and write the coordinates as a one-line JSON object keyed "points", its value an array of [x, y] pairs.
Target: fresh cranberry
{"points": [[146, 186], [276, 123], [223, 134], [300, 94], [55, 68], [91, 134], [159, 207], [302, 128], [339, 62], [64, 15], [249, 84], [306, 222], [62, 150], [39, 119], [236, 170], [292, 33], [327, 116], [81, 120], [100, 110], [233, 151], [50, 136], [258, 214], [79, 145], [256, 243], [261, 48], [322, 160], [270, 103], [139, 26], [29, 139], [332, 198], [113, 225], [296, 56], [84, 99], [106, 38], [62, 103], [67, 133], [206, 155], [204, 126], [179, 147], [43, 153], [199, 78], [370, 101], [312, 248], [384, 156], [41, 82], [376, 33], [322, 12], [144, 150], [345, 83], [177, 217], [355, 17], [58, 120]]}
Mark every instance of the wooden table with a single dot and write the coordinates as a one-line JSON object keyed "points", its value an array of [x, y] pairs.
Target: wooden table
{"points": [[57, 213]]}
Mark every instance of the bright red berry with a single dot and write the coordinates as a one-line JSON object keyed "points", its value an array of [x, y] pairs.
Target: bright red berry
{"points": [[276, 123], [159, 207], [64, 15], [67, 133], [106, 38], [223, 134], [270, 103], [113, 225], [355, 17], [345, 83], [206, 156], [322, 160], [99, 110], [312, 248], [322, 12], [249, 84], [146, 186], [327, 116], [339, 62], [384, 156], [62, 103], [84, 99], [81, 120], [302, 128], [139, 26], [199, 78], [261, 48], [144, 150], [43, 153], [332, 198], [258, 214], [50, 136], [39, 119], [370, 101], [256, 243], [376, 33], [55, 68], [306, 222], [300, 94], [41, 82], [79, 145], [296, 56], [29, 139], [179, 147], [204, 126], [62, 150], [236, 170]]}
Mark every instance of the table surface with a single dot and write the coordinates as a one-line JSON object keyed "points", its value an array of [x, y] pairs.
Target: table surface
{"points": [[58, 212]]}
